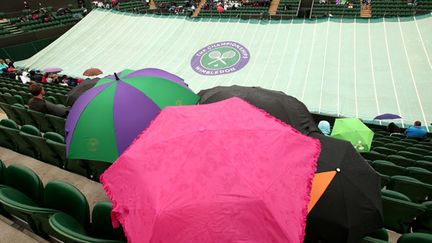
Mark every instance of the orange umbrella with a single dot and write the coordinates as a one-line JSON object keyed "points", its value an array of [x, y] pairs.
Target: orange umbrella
{"points": [[92, 72]]}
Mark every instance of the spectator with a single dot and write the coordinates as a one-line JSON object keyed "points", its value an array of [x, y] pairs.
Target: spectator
{"points": [[10, 63], [3, 66], [80, 3], [26, 5], [324, 127], [393, 128], [415, 131], [25, 78], [64, 81], [38, 103]]}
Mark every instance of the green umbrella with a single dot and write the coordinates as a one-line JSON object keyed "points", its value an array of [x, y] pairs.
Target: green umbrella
{"points": [[354, 131]]}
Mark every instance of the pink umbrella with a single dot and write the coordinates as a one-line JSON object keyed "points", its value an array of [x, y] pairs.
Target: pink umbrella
{"points": [[223, 172]]}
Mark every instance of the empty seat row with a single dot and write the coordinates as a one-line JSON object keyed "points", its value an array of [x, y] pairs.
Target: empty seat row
{"points": [[390, 169], [44, 122], [58, 209], [49, 147]]}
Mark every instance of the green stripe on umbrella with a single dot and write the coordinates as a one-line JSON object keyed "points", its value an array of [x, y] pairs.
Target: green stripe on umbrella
{"points": [[94, 120]]}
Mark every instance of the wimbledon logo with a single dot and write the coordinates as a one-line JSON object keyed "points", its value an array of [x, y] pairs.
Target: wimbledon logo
{"points": [[220, 58]]}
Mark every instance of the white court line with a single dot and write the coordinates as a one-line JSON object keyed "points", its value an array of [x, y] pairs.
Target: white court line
{"points": [[275, 39], [246, 81], [296, 58], [281, 63], [355, 68], [323, 72], [338, 71], [241, 39], [391, 72], [310, 60], [412, 76], [423, 45], [372, 70]]}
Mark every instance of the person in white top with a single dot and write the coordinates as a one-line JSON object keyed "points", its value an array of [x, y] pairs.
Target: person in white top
{"points": [[25, 78]]}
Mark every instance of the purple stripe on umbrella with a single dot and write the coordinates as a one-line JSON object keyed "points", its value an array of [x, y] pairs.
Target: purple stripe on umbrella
{"points": [[154, 72], [133, 112], [77, 109]]}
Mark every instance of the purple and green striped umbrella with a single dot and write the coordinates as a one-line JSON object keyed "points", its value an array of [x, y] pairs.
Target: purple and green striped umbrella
{"points": [[107, 118]]}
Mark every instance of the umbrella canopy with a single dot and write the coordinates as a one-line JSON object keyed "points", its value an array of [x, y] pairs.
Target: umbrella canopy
{"points": [[92, 72], [208, 174], [284, 107], [53, 70], [354, 131], [350, 205], [78, 90], [329, 208], [387, 116], [107, 118]]}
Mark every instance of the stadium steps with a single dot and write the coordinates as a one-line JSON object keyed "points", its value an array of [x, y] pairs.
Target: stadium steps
{"points": [[198, 9], [273, 7], [366, 11]]}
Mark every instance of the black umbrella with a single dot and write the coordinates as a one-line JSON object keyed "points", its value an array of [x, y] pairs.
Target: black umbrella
{"points": [[276, 103], [79, 90], [351, 205]]}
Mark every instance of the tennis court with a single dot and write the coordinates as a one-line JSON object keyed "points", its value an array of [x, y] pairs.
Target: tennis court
{"points": [[345, 67]]}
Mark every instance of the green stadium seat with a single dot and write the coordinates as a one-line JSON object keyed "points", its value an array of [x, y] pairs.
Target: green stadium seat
{"points": [[385, 180], [417, 191], [424, 164], [410, 140], [394, 146], [384, 150], [388, 168], [65, 198], [415, 238], [427, 158], [43, 152], [58, 123], [410, 155], [23, 114], [18, 99], [420, 174], [24, 191], [10, 113], [417, 150], [423, 222], [377, 144], [373, 155], [59, 147], [69, 230], [51, 99], [41, 122], [400, 160], [10, 100], [11, 130], [423, 146], [403, 143], [5, 141], [399, 214]]}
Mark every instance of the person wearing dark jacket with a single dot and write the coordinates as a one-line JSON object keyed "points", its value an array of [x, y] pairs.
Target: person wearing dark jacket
{"points": [[38, 103]]}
